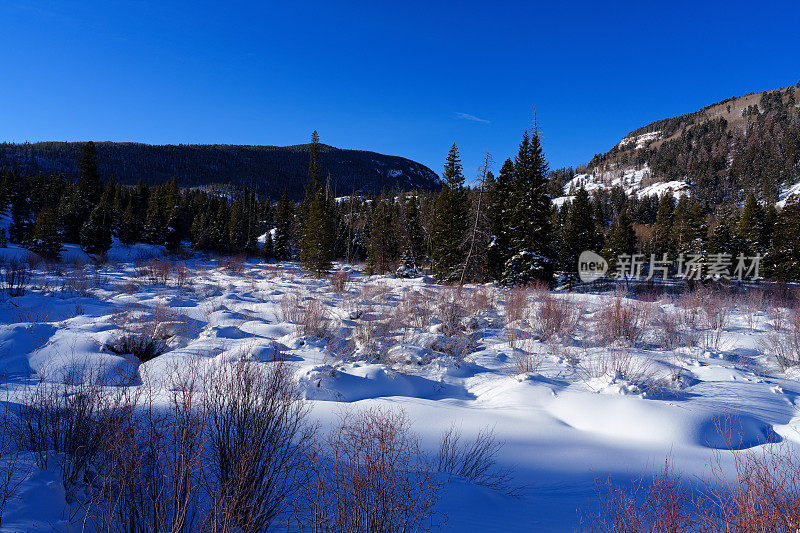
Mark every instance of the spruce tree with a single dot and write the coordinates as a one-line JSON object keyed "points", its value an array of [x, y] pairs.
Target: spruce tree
{"points": [[129, 230], [450, 222], [579, 233], [621, 240], [751, 225], [317, 241], [382, 247], [531, 251], [284, 224], [662, 228], [500, 220], [45, 239], [783, 258], [80, 199], [95, 234]]}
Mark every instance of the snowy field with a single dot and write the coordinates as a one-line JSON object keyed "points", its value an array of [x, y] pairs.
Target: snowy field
{"points": [[576, 387]]}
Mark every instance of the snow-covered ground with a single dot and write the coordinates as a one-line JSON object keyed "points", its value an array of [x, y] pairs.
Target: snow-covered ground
{"points": [[570, 409]]}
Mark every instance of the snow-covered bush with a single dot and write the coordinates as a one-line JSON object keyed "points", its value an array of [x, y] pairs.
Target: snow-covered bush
{"points": [[784, 343], [146, 334], [554, 317], [15, 276], [339, 280]]}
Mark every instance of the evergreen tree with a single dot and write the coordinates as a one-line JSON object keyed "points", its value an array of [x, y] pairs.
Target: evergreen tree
{"points": [[413, 244], [22, 221], [450, 222], [579, 233], [689, 228], [382, 245], [129, 228], [500, 220], [317, 241], [662, 228], [751, 225], [95, 234], [80, 199], [45, 239], [531, 236], [621, 240], [478, 238], [783, 258], [284, 223]]}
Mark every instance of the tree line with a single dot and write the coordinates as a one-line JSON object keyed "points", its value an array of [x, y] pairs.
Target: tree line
{"points": [[503, 228]]}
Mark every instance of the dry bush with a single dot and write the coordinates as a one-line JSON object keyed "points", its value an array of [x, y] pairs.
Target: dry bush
{"points": [[554, 317], [14, 277], [449, 310], [716, 309], [314, 320], [339, 279], [413, 311], [479, 299], [372, 337], [475, 461], [152, 464], [234, 264], [259, 444], [662, 505], [622, 320], [289, 308], [59, 423], [755, 302], [764, 497], [784, 342], [12, 470], [369, 476], [375, 292], [146, 334], [524, 362], [668, 329], [183, 277], [621, 365], [155, 271], [516, 305]]}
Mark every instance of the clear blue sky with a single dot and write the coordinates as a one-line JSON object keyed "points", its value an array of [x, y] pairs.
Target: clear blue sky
{"points": [[404, 78]]}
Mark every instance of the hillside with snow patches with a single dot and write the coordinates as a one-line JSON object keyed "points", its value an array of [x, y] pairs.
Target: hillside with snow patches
{"points": [[635, 182], [569, 397]]}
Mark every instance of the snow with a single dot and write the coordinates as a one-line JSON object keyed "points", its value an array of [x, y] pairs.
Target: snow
{"points": [[562, 428], [630, 179], [788, 193], [640, 140]]}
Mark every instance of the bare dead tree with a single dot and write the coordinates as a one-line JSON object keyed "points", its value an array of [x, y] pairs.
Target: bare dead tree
{"points": [[478, 239]]}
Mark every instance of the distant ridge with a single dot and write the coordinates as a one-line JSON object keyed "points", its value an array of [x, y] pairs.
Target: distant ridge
{"points": [[267, 169]]}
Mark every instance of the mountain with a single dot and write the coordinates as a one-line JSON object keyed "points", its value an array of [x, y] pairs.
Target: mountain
{"points": [[267, 169], [719, 153]]}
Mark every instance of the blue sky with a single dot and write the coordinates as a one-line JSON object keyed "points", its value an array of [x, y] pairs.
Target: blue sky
{"points": [[404, 78]]}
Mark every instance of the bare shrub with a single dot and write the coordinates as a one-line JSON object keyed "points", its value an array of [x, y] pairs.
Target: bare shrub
{"points": [[668, 329], [12, 470], [373, 337], [755, 302], [516, 304], [259, 444], [622, 320], [554, 317], [478, 299], [784, 342], [145, 334], [716, 309], [14, 277], [182, 275], [75, 281], [369, 475], [662, 505], [449, 311], [339, 280], [620, 366], [289, 308], [524, 362], [413, 311], [59, 423], [476, 460], [314, 320], [151, 468], [155, 271], [234, 264]]}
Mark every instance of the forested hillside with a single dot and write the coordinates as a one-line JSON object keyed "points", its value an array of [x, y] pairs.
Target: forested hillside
{"points": [[723, 151], [268, 170]]}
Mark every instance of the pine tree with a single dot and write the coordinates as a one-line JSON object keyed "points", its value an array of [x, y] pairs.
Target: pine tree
{"points": [[95, 234], [80, 199], [579, 233], [621, 240], [22, 221], [500, 220], [382, 245], [317, 241], [751, 225], [783, 258], [413, 245], [662, 228], [689, 228], [129, 229], [45, 239], [284, 224], [450, 222], [531, 236]]}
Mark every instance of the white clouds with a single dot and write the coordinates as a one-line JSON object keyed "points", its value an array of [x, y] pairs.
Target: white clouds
{"points": [[473, 118]]}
